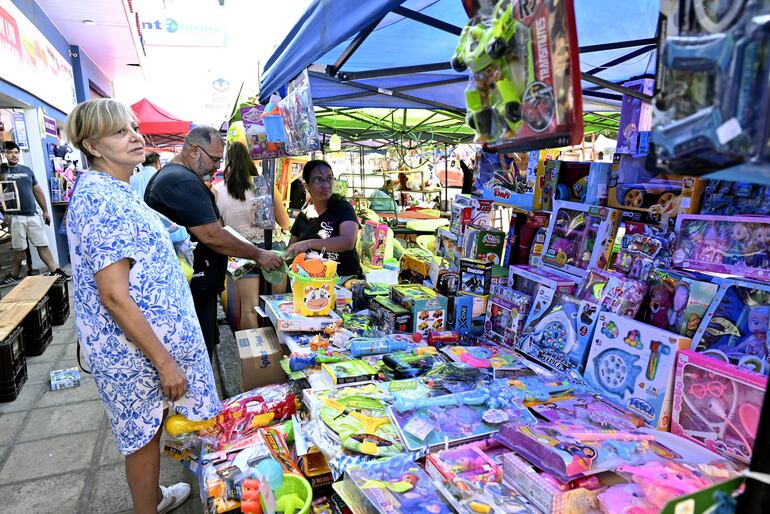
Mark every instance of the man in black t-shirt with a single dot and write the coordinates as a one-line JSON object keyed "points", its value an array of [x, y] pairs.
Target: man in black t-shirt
{"points": [[178, 192]]}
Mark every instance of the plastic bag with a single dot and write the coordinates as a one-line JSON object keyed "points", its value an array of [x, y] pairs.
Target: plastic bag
{"points": [[299, 117]]}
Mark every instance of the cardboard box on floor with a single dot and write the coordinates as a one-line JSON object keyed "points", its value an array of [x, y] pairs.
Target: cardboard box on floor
{"points": [[260, 357]]}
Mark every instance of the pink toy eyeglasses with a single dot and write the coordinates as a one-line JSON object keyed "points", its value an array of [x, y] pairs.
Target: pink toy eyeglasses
{"points": [[713, 388]]}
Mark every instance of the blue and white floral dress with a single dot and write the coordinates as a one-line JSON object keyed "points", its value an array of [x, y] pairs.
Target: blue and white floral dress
{"points": [[107, 222]]}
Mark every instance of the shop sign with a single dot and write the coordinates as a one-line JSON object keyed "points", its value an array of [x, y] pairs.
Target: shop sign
{"points": [[49, 126], [20, 130], [191, 27], [30, 62]]}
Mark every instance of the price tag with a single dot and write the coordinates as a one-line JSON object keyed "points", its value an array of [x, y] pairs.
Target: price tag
{"points": [[728, 130], [419, 428]]}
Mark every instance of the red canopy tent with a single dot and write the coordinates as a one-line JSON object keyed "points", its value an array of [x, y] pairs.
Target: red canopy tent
{"points": [[158, 126]]}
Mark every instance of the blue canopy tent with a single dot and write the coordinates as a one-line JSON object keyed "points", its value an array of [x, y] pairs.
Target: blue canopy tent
{"points": [[395, 53]]}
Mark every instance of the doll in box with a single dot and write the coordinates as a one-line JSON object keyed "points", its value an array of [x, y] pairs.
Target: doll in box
{"points": [[760, 239], [661, 301], [676, 312]]}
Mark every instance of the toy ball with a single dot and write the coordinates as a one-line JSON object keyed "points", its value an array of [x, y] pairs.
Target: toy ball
{"points": [[417, 337], [236, 133]]}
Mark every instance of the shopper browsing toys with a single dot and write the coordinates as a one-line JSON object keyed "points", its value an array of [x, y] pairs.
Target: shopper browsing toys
{"points": [[328, 223], [178, 192], [26, 224], [134, 313]]}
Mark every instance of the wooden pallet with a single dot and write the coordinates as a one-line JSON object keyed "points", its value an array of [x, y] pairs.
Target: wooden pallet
{"points": [[21, 301], [30, 289]]}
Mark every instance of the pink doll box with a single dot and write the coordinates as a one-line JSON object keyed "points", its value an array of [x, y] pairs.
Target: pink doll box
{"points": [[632, 364], [580, 236], [545, 492], [467, 462], [717, 404], [373, 241], [735, 245], [525, 278]]}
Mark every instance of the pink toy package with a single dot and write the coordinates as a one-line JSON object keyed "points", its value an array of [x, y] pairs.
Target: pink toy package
{"points": [[717, 404], [736, 245], [467, 462]]}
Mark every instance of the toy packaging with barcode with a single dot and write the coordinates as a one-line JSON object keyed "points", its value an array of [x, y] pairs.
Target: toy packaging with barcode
{"points": [[373, 239], [506, 311], [717, 404], [735, 245], [632, 364], [468, 210], [734, 328], [513, 104], [579, 236], [558, 335], [483, 244], [475, 277], [526, 279]]}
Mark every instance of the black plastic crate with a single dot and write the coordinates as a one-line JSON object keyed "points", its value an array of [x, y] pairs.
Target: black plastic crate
{"points": [[58, 295], [11, 355], [59, 317], [37, 322], [10, 389], [37, 345]]}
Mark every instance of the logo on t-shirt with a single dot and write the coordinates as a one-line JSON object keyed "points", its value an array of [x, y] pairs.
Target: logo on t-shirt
{"points": [[326, 230]]}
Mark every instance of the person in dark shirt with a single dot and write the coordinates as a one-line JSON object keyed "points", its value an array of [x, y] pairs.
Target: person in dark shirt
{"points": [[328, 223], [26, 224], [178, 192]]}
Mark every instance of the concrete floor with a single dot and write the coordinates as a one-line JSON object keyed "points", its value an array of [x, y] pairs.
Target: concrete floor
{"points": [[56, 450]]}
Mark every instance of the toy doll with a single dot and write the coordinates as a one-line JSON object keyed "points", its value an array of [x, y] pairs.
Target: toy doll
{"points": [[756, 343], [661, 300], [710, 251], [676, 314], [760, 239], [739, 242]]}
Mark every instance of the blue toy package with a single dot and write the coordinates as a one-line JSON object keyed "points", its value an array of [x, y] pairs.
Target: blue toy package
{"points": [[596, 185], [393, 485], [558, 334], [632, 365], [735, 326], [504, 180]]}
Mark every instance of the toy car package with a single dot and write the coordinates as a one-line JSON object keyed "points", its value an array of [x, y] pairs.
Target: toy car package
{"points": [[524, 91]]}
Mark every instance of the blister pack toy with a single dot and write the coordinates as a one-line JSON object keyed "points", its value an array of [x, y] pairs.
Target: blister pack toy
{"points": [[482, 356], [590, 410], [409, 364], [579, 236], [393, 485], [736, 245], [613, 292], [677, 302], [298, 117], [640, 253], [632, 364], [729, 198], [559, 335], [717, 405], [430, 422], [359, 418], [506, 311], [524, 91], [735, 326], [709, 113]]}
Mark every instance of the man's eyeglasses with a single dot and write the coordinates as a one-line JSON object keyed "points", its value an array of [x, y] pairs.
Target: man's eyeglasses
{"points": [[215, 160], [317, 181]]}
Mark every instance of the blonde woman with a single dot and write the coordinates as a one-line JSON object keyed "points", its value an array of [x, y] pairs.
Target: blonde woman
{"points": [[134, 314]]}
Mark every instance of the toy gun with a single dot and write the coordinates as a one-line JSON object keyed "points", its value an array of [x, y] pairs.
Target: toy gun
{"points": [[476, 397], [299, 362], [373, 346]]}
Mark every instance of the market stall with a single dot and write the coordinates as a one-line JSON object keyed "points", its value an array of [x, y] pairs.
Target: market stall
{"points": [[160, 128], [603, 349]]}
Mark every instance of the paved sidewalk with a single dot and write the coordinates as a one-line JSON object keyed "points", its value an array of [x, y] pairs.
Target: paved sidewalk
{"points": [[57, 454]]}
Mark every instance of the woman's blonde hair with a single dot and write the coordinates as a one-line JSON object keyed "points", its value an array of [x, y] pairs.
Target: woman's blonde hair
{"points": [[96, 118]]}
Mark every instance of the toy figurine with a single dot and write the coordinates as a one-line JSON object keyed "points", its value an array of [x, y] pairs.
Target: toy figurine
{"points": [[760, 240], [676, 314], [739, 242], [756, 343], [661, 301]]}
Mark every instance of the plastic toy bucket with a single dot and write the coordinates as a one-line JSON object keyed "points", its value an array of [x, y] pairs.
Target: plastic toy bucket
{"points": [[313, 296], [295, 495]]}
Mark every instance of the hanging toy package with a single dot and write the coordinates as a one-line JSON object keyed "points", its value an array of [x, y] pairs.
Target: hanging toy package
{"points": [[299, 117], [524, 90], [713, 94], [261, 206]]}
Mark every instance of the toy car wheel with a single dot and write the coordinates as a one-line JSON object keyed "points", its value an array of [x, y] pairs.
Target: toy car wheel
{"points": [[458, 65], [497, 48], [483, 120], [513, 111], [665, 200], [633, 198]]}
